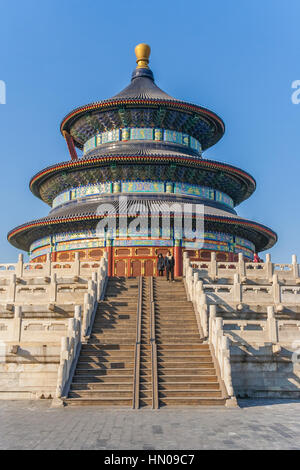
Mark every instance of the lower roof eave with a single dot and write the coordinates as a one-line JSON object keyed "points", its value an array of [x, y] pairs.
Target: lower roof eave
{"points": [[23, 236]]}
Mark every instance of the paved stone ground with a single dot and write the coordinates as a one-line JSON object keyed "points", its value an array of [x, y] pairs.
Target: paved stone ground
{"points": [[256, 424]]}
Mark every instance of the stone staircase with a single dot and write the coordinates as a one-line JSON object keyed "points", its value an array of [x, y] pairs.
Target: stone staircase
{"points": [[104, 372], [186, 370], [117, 366], [145, 385]]}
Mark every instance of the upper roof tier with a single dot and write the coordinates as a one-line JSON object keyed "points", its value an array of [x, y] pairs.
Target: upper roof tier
{"points": [[142, 104]]}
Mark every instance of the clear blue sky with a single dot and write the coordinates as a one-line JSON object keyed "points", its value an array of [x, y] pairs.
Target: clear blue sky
{"points": [[236, 57]]}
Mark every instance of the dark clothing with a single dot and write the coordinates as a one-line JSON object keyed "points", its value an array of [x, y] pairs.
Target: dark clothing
{"points": [[160, 263], [170, 263]]}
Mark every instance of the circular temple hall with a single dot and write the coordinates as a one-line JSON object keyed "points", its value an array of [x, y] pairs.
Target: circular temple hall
{"points": [[139, 150]]}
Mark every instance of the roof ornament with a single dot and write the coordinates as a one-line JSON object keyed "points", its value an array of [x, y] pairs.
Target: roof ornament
{"points": [[142, 52]]}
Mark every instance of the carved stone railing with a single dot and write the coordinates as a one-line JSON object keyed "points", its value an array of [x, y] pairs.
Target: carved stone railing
{"points": [[216, 270], [239, 292], [96, 288], [155, 400], [62, 286], [137, 349], [18, 329], [259, 332], [221, 348], [32, 270], [70, 348]]}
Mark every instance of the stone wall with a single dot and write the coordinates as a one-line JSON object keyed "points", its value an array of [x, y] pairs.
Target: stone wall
{"points": [[37, 303], [258, 307]]}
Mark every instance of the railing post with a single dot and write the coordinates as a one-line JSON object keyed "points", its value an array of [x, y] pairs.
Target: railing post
{"points": [[95, 283], [76, 265], [295, 267], [237, 297], [19, 270], [78, 318], [268, 267], [48, 265], [212, 316], [77, 313], [195, 282], [213, 266], [53, 288], [203, 309], [17, 324], [276, 289], [86, 310], [11, 291], [272, 327], [185, 262], [241, 266]]}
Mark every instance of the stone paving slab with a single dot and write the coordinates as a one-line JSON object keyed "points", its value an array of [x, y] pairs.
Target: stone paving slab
{"points": [[257, 424]]}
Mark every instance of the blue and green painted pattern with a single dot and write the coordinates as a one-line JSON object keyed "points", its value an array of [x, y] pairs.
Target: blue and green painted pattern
{"points": [[142, 133], [219, 242], [141, 187]]}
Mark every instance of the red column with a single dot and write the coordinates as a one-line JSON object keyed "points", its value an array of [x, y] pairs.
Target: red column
{"points": [[178, 261], [71, 146], [109, 250]]}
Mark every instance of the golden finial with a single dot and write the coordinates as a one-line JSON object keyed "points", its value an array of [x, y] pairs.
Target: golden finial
{"points": [[142, 52]]}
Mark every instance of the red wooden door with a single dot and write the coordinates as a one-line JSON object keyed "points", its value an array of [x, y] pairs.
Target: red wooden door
{"points": [[136, 268], [120, 268], [149, 268]]}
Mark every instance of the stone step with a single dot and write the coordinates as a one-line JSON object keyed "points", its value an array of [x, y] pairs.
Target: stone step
{"points": [[177, 302], [113, 393], [114, 322], [98, 402], [98, 372], [184, 365], [102, 386], [175, 331], [183, 347], [182, 355], [114, 336], [145, 402], [162, 359], [190, 393], [189, 385], [146, 394], [181, 321], [172, 317], [167, 322], [188, 378], [118, 330], [107, 348], [107, 341], [167, 371], [170, 338], [107, 366], [105, 360], [102, 379], [107, 355], [144, 386], [193, 401]]}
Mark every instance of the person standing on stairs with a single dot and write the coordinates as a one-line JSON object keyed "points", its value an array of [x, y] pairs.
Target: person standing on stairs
{"points": [[160, 265], [169, 264]]}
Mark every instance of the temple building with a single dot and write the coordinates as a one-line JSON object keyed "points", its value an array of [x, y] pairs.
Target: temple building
{"points": [[147, 147]]}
